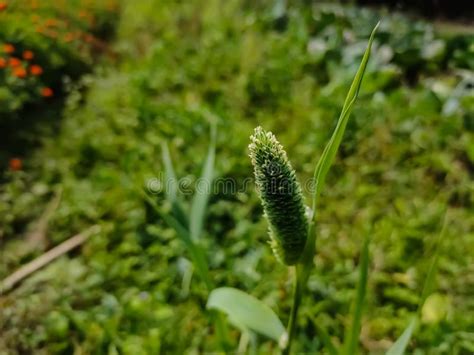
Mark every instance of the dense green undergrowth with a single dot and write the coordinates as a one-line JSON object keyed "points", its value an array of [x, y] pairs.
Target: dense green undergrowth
{"points": [[406, 158]]}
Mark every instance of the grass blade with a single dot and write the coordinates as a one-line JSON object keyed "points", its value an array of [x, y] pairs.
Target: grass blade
{"points": [[196, 252], [352, 335], [172, 186], [330, 151], [203, 190], [428, 286], [171, 182], [400, 345], [325, 338]]}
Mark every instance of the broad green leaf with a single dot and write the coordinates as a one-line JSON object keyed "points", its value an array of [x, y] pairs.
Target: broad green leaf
{"points": [[203, 190], [171, 187], [353, 332], [247, 313], [399, 347]]}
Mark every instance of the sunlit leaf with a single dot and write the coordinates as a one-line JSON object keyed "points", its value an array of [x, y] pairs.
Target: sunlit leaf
{"points": [[399, 347], [247, 313], [435, 308]]}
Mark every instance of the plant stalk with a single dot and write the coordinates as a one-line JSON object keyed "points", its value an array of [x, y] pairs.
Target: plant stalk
{"points": [[297, 297]]}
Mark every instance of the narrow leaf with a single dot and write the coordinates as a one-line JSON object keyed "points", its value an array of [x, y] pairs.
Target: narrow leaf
{"points": [[353, 333], [247, 313], [197, 254], [330, 151], [203, 190], [325, 338], [171, 183], [429, 284], [399, 347], [328, 155], [171, 187]]}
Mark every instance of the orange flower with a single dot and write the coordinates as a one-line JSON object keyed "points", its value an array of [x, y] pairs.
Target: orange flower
{"points": [[51, 22], [88, 38], [51, 33], [20, 72], [47, 92], [3, 5], [14, 62], [36, 70], [15, 164], [28, 55], [69, 37], [3, 62], [8, 48]]}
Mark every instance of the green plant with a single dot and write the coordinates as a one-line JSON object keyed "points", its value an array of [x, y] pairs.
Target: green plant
{"points": [[189, 227], [407, 152], [400, 345], [292, 237]]}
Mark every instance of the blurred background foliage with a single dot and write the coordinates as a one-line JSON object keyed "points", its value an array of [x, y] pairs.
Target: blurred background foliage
{"points": [[407, 157]]}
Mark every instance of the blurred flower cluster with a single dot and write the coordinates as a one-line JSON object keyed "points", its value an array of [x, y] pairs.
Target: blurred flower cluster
{"points": [[44, 42]]}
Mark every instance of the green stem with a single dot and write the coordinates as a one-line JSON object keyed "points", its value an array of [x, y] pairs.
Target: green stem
{"points": [[222, 331], [297, 297]]}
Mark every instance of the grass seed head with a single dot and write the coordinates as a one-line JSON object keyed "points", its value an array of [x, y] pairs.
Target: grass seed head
{"points": [[281, 196]]}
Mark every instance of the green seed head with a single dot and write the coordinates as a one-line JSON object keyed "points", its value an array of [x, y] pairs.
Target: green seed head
{"points": [[281, 196]]}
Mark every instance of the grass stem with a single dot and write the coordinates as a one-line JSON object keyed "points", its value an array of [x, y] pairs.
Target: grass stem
{"points": [[297, 297]]}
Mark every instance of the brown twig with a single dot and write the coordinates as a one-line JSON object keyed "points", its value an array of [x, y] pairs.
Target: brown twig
{"points": [[36, 264], [37, 239]]}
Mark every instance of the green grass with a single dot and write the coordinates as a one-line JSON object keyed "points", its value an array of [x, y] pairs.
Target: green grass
{"points": [[407, 155]]}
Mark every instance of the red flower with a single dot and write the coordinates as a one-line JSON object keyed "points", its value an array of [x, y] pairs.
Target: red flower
{"points": [[20, 72], [8, 48], [47, 92], [15, 164], [3, 62], [3, 6], [14, 62], [28, 55], [36, 70]]}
